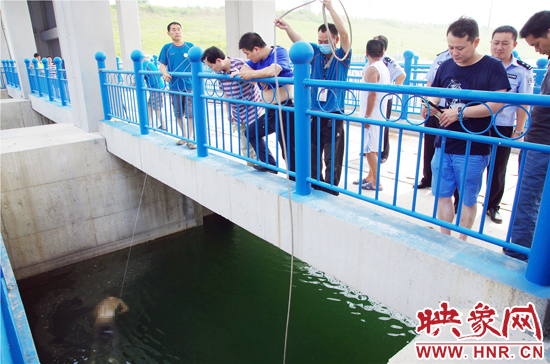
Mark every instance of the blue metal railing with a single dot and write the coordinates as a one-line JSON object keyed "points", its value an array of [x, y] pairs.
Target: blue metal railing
{"points": [[11, 74], [16, 343], [209, 116], [49, 82], [2, 79]]}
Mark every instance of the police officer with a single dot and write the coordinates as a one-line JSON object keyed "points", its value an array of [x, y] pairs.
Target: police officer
{"points": [[520, 75], [432, 122]]}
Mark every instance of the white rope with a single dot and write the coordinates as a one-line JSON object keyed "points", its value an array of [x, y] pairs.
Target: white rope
{"points": [[280, 113], [133, 233]]}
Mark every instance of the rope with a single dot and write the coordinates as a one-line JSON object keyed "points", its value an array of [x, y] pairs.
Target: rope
{"points": [[285, 153], [133, 233]]}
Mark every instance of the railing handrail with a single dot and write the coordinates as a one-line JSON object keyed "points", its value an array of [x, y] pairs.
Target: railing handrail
{"points": [[302, 94]]}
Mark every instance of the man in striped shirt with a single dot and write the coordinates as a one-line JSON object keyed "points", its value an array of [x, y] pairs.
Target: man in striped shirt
{"points": [[241, 115]]}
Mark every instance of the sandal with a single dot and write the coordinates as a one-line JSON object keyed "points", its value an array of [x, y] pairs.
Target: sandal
{"points": [[362, 182], [369, 187]]}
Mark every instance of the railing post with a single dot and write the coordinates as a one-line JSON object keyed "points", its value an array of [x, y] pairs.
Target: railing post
{"points": [[15, 74], [538, 268], [46, 62], [31, 80], [301, 55], [542, 64], [415, 62], [408, 55], [199, 109], [137, 57], [37, 75], [62, 95], [100, 58]]}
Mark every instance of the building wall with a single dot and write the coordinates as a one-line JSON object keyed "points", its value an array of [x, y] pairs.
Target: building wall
{"points": [[65, 199]]}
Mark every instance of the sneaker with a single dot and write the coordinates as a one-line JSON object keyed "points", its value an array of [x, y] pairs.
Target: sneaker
{"points": [[180, 142], [191, 145], [494, 215]]}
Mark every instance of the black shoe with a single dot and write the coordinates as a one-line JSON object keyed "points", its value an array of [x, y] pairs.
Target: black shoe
{"points": [[263, 169], [383, 160], [423, 184], [494, 215]]}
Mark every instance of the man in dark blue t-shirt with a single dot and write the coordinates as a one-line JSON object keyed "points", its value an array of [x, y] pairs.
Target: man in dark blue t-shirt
{"points": [[261, 64], [467, 70]]}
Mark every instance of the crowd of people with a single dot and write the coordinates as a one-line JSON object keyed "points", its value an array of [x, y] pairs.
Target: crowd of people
{"points": [[460, 67]]}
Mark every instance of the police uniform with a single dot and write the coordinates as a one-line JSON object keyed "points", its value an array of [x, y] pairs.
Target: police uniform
{"points": [[432, 122], [520, 75], [395, 71]]}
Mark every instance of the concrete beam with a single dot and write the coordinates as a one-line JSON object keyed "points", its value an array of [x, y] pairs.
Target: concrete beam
{"points": [[18, 26], [129, 31], [242, 16], [403, 265], [79, 45]]}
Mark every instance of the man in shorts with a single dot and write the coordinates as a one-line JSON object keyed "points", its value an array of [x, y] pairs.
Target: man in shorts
{"points": [[370, 105], [468, 70], [174, 58]]}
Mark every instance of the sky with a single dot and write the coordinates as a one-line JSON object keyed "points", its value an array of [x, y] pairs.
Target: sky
{"points": [[491, 13]]}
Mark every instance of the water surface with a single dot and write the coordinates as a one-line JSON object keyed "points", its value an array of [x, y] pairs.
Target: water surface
{"points": [[213, 294]]}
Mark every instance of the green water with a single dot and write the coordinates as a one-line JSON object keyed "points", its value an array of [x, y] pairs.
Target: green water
{"points": [[213, 294]]}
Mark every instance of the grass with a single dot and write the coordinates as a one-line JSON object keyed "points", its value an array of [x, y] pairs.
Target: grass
{"points": [[205, 27]]}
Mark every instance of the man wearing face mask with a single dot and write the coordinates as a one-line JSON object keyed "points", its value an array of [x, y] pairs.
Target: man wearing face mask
{"points": [[325, 66]]}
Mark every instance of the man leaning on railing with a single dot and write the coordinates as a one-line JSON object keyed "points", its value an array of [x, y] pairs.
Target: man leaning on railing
{"points": [[470, 70], [537, 34], [241, 115]]}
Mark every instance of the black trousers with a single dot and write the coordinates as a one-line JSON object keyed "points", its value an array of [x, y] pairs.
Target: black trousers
{"points": [[499, 173], [386, 143], [429, 150], [324, 143], [265, 128]]}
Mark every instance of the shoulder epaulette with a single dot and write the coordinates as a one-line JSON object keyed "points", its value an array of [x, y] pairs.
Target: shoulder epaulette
{"points": [[442, 52], [524, 64]]}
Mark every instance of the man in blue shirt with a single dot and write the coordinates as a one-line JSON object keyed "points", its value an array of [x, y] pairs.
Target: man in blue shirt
{"points": [[520, 75], [261, 64], [537, 34], [469, 70], [325, 66], [174, 58], [156, 98]]}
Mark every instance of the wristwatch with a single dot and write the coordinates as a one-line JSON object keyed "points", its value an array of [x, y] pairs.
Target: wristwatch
{"points": [[463, 116], [519, 132]]}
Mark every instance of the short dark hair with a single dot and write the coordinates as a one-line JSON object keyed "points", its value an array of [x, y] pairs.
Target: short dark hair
{"points": [[506, 29], [537, 25], [212, 54], [375, 48], [172, 23], [36, 55], [383, 39], [464, 26], [323, 29], [250, 40]]}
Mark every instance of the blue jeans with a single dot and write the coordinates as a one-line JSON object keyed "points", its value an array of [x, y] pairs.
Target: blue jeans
{"points": [[530, 195]]}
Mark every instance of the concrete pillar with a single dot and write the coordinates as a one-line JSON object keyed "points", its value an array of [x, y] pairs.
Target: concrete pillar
{"points": [[17, 22], [128, 28], [242, 16], [85, 28]]}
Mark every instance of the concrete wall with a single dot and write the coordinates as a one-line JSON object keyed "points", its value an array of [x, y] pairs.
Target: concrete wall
{"points": [[65, 199], [405, 266], [61, 114], [18, 113]]}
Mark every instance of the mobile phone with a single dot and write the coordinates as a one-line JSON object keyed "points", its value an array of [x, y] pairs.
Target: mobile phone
{"points": [[437, 107]]}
